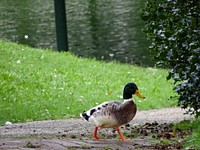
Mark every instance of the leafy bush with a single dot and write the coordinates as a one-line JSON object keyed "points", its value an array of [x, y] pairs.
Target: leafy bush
{"points": [[173, 27]]}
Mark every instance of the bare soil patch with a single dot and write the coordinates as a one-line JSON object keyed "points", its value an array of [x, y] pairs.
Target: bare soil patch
{"points": [[146, 131]]}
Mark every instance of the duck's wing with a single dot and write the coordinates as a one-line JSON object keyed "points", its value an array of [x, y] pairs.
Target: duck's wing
{"points": [[103, 115]]}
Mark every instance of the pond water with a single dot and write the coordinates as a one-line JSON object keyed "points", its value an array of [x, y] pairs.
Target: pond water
{"points": [[104, 29]]}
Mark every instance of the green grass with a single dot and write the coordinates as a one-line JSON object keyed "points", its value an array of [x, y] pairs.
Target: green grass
{"points": [[193, 141], [43, 84]]}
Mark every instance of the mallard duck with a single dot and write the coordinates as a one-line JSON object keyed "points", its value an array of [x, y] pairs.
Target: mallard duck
{"points": [[114, 114]]}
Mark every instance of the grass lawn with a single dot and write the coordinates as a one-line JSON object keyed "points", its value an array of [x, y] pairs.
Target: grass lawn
{"points": [[43, 84]]}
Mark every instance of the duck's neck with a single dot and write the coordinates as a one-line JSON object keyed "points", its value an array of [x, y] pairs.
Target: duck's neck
{"points": [[127, 95]]}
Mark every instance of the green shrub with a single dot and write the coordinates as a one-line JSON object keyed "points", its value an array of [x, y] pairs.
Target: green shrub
{"points": [[173, 27]]}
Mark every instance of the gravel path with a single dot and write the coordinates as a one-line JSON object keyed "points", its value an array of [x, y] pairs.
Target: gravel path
{"points": [[76, 133]]}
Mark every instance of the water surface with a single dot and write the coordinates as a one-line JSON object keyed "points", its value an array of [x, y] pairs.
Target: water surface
{"points": [[104, 29]]}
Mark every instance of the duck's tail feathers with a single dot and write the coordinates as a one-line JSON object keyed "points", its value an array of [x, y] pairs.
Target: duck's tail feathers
{"points": [[85, 116]]}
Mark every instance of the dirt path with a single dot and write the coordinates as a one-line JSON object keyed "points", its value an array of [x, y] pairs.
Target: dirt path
{"points": [[77, 134]]}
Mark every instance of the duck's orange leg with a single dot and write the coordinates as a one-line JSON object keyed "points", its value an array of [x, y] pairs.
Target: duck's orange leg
{"points": [[95, 133], [120, 134]]}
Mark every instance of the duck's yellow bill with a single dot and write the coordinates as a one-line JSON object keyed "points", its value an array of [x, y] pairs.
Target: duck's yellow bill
{"points": [[139, 94]]}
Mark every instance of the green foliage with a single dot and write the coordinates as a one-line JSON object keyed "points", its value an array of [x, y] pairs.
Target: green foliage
{"points": [[173, 27], [42, 84]]}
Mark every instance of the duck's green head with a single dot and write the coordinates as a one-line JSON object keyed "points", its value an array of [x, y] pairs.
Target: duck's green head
{"points": [[130, 89]]}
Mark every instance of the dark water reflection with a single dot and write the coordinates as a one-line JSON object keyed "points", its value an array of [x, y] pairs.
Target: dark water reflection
{"points": [[104, 29]]}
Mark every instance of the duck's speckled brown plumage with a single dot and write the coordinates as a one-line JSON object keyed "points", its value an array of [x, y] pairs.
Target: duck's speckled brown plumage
{"points": [[114, 113], [126, 112]]}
